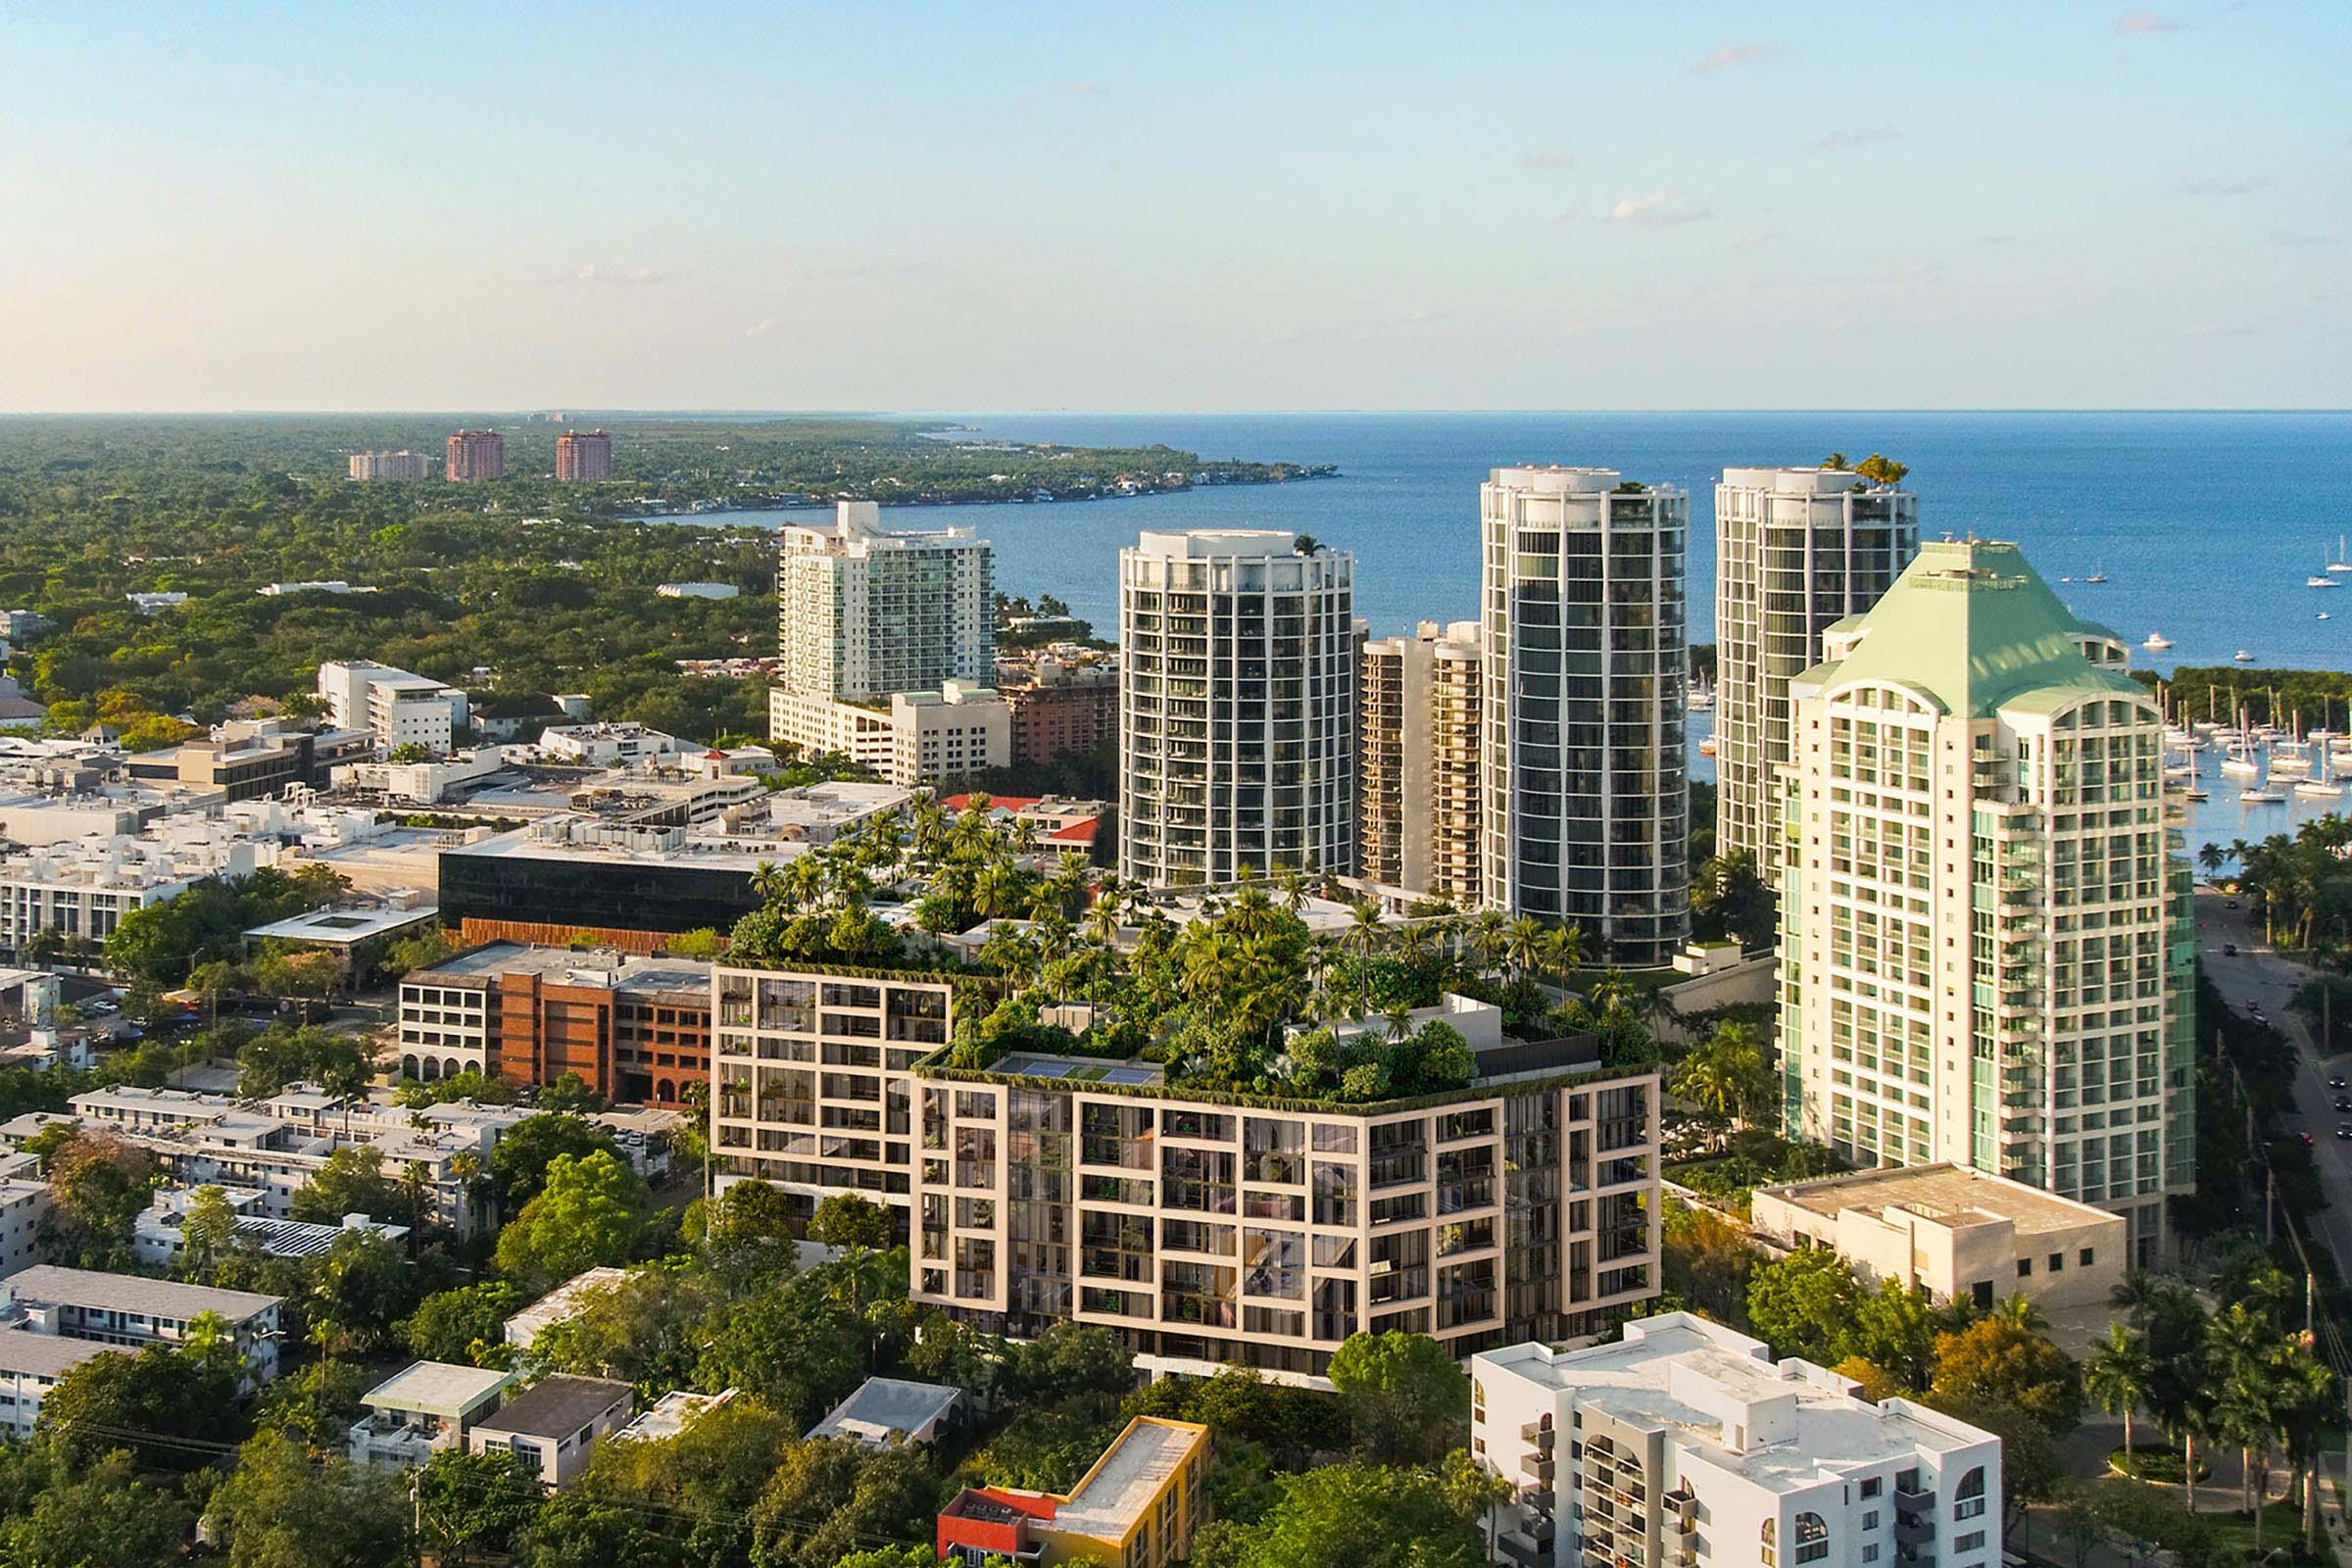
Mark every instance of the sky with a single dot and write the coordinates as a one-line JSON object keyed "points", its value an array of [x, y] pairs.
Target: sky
{"points": [[298, 206]]}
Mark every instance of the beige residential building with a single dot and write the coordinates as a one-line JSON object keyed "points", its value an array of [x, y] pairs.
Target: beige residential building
{"points": [[1212, 1229], [916, 737], [1958, 1234], [1985, 959], [1418, 768], [863, 611], [813, 1079], [1796, 551]]}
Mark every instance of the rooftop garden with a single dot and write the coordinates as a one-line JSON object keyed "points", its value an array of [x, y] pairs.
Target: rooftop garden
{"points": [[1241, 998]]}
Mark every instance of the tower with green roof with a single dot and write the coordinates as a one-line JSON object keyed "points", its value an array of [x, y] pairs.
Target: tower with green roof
{"points": [[1981, 920]]}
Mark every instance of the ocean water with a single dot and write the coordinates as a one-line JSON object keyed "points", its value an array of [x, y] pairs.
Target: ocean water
{"points": [[2205, 524]]}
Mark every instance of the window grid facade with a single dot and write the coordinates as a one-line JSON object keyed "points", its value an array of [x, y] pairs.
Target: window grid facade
{"points": [[1418, 827]]}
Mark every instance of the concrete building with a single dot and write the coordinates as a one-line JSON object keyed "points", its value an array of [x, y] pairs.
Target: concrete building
{"points": [[330, 585], [24, 1205], [1137, 1508], [158, 1235], [881, 1412], [583, 456], [1060, 709], [1237, 706], [1419, 772], [916, 737], [605, 745], [394, 707], [127, 1310], [152, 604], [696, 590], [475, 454], [1214, 1229], [1586, 814], [554, 1424], [251, 759], [634, 1029], [1984, 955], [560, 1304], [1685, 1445], [31, 1363], [863, 611], [1960, 1235], [1796, 550], [84, 888], [375, 466], [424, 1408], [670, 1414]]}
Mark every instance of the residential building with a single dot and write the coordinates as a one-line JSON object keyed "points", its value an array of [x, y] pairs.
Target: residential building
{"points": [[1686, 1445], [1960, 1235], [1796, 550], [1417, 829], [149, 604], [330, 585], [1060, 709], [84, 888], [882, 1412], [394, 707], [560, 1304], [1236, 706], [916, 738], [374, 465], [31, 1363], [554, 1424], [475, 454], [813, 1079], [1056, 824], [1982, 959], [1137, 1508], [583, 456], [1586, 814], [863, 611], [128, 1310], [424, 1408], [249, 758], [633, 1029], [1215, 1229], [158, 1234], [670, 1414], [605, 745], [24, 1205]]}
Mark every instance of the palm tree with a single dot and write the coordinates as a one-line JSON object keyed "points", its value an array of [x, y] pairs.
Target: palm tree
{"points": [[2020, 1311], [2212, 859], [2305, 1398], [1363, 938], [2240, 1346], [1488, 936], [1525, 943], [2119, 1375]]}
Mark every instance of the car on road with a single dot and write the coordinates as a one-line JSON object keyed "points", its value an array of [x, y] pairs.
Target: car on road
{"points": [[2307, 1139], [2343, 1130], [2228, 950], [2337, 1081], [2232, 904], [2343, 1103]]}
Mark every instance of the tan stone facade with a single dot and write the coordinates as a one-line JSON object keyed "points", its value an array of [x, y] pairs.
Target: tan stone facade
{"points": [[1418, 767]]}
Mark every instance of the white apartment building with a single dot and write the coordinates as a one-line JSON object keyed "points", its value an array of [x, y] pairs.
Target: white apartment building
{"points": [[1796, 551], [920, 737], [1238, 676], [863, 611], [374, 465], [395, 707], [1586, 803], [1686, 1446], [25, 1204], [1984, 957], [31, 1363], [83, 888], [1419, 775], [131, 1310]]}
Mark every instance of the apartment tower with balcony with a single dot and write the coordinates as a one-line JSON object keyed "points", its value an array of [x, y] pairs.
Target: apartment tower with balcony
{"points": [[1417, 824], [1984, 954], [1237, 706], [1796, 550], [473, 454], [1586, 809], [583, 456]]}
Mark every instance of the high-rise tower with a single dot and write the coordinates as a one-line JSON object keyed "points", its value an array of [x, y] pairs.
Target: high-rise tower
{"points": [[863, 611], [1418, 821], [1587, 802]]}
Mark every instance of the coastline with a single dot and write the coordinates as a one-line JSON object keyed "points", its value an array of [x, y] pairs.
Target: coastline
{"points": [[795, 500]]}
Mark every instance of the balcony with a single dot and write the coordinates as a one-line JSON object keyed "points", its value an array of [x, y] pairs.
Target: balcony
{"points": [[1517, 1546], [1537, 1467], [1537, 1435], [1913, 1529]]}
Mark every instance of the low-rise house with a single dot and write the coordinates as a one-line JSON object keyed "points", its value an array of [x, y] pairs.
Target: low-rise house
{"points": [[427, 1406], [558, 1305], [31, 1363], [24, 1202], [555, 1423], [882, 1411], [1137, 1507], [670, 1414], [156, 1236], [128, 1310]]}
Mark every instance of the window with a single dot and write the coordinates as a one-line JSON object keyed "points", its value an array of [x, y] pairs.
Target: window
{"points": [[1812, 1537], [2088, 1255], [1872, 1486], [1971, 1496], [1869, 1551], [1969, 1541], [1870, 1520], [2025, 1267], [2057, 1263]]}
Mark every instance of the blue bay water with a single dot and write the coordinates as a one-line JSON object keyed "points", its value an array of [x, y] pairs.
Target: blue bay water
{"points": [[2206, 524]]}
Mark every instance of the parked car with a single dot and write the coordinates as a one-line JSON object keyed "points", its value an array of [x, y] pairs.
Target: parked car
{"points": [[2343, 1130], [2228, 950], [2337, 1081]]}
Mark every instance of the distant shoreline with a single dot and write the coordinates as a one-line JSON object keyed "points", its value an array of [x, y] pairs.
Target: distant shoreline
{"points": [[801, 502]]}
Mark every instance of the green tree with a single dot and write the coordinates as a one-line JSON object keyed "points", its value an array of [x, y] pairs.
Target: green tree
{"points": [[1728, 1073], [154, 1401], [2119, 1375], [207, 1229], [1895, 1327], [519, 1160], [1405, 1398], [353, 1181], [1351, 1513], [589, 1213], [845, 1219], [1803, 1302], [1997, 1360], [277, 1509], [473, 1505], [464, 1326], [359, 1292], [99, 1517], [833, 1493], [100, 1184]]}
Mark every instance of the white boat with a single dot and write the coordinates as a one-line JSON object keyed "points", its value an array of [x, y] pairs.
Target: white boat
{"points": [[2320, 789], [2343, 558], [2241, 766], [2242, 657], [2289, 767], [2320, 580], [2201, 794], [2100, 575], [2156, 640], [2322, 615], [2260, 797]]}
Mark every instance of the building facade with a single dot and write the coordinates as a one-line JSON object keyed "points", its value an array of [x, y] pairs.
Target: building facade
{"points": [[1237, 706], [1137, 1506], [1796, 550], [131, 1310], [1684, 1445], [375, 466], [394, 707], [916, 738], [1061, 710], [474, 455], [1983, 950], [583, 455], [1209, 1230], [1586, 814], [1419, 775], [863, 611]]}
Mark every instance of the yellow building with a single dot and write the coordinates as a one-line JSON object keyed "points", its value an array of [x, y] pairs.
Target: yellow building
{"points": [[1136, 1508]]}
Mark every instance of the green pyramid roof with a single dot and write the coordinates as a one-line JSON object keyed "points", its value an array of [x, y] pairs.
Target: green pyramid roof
{"points": [[1974, 628]]}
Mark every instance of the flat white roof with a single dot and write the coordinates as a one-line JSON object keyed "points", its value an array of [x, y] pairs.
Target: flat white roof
{"points": [[344, 924], [438, 1388], [1125, 1479], [1949, 1193], [558, 1304], [93, 1290]]}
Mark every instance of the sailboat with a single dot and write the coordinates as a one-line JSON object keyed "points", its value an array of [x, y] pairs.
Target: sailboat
{"points": [[2260, 797], [2325, 577], [2343, 558], [2157, 642]]}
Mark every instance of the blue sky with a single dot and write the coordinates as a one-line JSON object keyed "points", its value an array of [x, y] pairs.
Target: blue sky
{"points": [[1809, 205]]}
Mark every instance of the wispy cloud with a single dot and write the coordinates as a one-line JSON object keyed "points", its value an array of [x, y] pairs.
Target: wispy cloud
{"points": [[2299, 239], [2244, 185], [1838, 141], [1730, 54], [1997, 240], [1547, 157], [1660, 209], [762, 326], [627, 277], [2146, 23], [1760, 237]]}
